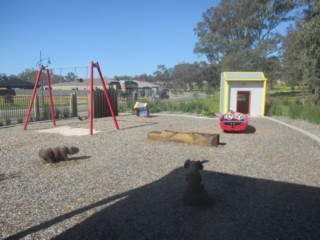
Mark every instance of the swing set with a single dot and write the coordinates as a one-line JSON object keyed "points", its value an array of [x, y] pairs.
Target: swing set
{"points": [[92, 66]]}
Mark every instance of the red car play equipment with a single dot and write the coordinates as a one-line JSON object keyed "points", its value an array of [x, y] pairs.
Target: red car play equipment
{"points": [[234, 122]]}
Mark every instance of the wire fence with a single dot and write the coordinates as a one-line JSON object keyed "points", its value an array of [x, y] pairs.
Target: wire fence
{"points": [[13, 109]]}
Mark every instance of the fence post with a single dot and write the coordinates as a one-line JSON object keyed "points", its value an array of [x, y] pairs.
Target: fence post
{"points": [[36, 108], [100, 106], [73, 105], [93, 104]]}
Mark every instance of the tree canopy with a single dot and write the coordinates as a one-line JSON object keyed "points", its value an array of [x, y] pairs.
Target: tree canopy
{"points": [[240, 35]]}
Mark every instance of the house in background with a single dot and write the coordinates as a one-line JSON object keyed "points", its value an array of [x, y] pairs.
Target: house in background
{"points": [[11, 85], [81, 84], [127, 87], [146, 89], [12, 82]]}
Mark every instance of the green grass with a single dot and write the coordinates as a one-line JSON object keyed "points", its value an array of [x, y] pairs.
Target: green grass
{"points": [[22, 102], [18, 103], [204, 106], [211, 102], [283, 88], [293, 108], [294, 103]]}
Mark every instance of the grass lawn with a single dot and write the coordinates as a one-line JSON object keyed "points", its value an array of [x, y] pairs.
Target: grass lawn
{"points": [[211, 102], [205, 106]]}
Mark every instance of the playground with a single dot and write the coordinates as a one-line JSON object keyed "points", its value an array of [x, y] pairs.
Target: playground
{"points": [[264, 182]]}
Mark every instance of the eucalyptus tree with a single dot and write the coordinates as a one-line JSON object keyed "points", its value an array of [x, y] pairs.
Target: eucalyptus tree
{"points": [[28, 75], [185, 75], [242, 35], [209, 76], [164, 75], [309, 40], [301, 48]]}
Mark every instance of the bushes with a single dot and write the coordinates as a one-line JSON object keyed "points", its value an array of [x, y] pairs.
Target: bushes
{"points": [[305, 112], [58, 113], [185, 107], [294, 109], [203, 106], [191, 106]]}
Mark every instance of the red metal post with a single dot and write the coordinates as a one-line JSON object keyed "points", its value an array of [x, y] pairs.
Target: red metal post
{"points": [[50, 97], [32, 98], [91, 100], [107, 96]]}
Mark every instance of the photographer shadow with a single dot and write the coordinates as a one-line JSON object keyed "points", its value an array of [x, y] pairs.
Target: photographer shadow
{"points": [[242, 208]]}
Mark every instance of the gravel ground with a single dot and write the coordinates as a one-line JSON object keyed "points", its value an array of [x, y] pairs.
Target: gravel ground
{"points": [[302, 124], [264, 183]]}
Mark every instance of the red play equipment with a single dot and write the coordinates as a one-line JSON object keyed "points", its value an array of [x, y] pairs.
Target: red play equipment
{"points": [[96, 65], [234, 121], [92, 65], [41, 68]]}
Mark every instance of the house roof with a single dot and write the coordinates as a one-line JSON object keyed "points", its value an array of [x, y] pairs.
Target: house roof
{"points": [[14, 82], [85, 82], [145, 84], [244, 76], [97, 82]]}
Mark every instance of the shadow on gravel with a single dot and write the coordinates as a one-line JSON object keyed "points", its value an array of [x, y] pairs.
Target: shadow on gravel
{"points": [[79, 158], [138, 124], [243, 208], [4, 176], [249, 130]]}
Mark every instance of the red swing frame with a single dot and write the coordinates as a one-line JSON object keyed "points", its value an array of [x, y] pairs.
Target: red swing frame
{"points": [[96, 65], [92, 65], [41, 68]]}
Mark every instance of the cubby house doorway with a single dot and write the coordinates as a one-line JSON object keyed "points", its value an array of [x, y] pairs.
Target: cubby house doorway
{"points": [[243, 102]]}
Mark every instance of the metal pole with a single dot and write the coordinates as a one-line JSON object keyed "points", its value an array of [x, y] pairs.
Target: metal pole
{"points": [[32, 98], [107, 96], [91, 100], [42, 93], [50, 97]]}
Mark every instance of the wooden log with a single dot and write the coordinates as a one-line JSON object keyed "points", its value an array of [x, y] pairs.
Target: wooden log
{"points": [[203, 139]]}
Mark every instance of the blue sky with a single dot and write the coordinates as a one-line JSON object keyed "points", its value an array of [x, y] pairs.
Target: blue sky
{"points": [[126, 37]]}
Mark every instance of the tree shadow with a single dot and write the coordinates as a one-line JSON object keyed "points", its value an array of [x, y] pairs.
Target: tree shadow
{"points": [[132, 125], [243, 208], [4, 176], [138, 126]]}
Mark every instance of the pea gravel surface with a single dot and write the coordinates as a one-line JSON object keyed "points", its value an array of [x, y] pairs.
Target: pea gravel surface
{"points": [[264, 183]]}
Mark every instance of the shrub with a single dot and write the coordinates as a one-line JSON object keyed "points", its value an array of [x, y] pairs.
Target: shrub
{"points": [[204, 107], [8, 121], [185, 107], [57, 114], [293, 109], [65, 113], [46, 112], [208, 113]]}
